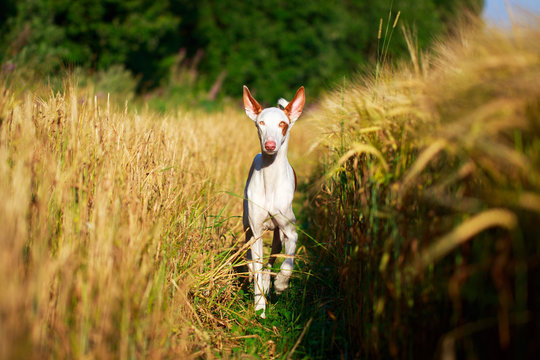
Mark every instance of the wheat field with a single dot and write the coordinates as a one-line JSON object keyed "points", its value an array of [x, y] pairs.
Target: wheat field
{"points": [[431, 175], [113, 223]]}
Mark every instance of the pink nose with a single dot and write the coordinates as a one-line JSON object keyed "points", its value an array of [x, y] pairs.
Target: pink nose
{"points": [[270, 145]]}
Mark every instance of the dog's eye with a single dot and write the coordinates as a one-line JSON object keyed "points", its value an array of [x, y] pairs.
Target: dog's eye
{"points": [[261, 122]]}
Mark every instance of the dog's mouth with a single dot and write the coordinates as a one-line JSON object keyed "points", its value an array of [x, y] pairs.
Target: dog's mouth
{"points": [[269, 152]]}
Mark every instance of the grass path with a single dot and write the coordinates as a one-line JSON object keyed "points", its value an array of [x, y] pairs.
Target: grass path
{"points": [[302, 322]]}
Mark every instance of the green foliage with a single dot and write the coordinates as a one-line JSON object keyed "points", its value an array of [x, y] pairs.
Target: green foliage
{"points": [[113, 81], [32, 41], [45, 36], [273, 46]]}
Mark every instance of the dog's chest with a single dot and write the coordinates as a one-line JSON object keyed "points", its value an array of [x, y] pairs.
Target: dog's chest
{"points": [[269, 197]]}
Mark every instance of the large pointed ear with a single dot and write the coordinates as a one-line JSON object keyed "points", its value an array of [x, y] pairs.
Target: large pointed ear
{"points": [[295, 107], [251, 105]]}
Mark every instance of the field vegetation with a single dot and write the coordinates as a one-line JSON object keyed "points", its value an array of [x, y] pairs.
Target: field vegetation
{"points": [[417, 208], [117, 235], [431, 183]]}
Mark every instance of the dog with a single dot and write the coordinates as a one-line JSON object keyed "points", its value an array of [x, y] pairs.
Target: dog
{"points": [[269, 192]]}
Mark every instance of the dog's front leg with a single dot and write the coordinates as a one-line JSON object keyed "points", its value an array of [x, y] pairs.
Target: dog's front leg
{"points": [[261, 280], [289, 237]]}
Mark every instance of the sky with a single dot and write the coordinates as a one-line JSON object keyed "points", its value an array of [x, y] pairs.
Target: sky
{"points": [[495, 11]]}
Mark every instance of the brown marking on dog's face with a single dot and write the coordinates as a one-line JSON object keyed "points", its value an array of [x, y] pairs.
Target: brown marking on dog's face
{"points": [[284, 126]]}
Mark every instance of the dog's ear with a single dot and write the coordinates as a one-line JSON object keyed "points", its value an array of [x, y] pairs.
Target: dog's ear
{"points": [[295, 107], [251, 105]]}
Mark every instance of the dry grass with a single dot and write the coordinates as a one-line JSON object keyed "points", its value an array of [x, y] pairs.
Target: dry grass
{"points": [[119, 230], [115, 230], [433, 169]]}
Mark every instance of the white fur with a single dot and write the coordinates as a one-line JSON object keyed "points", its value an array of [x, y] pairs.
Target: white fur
{"points": [[268, 196], [282, 103]]}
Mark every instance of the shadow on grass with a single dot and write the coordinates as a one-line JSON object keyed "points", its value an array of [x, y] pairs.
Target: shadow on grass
{"points": [[305, 322], [307, 318]]}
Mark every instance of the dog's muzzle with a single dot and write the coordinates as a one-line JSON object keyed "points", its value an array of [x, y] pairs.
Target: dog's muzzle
{"points": [[270, 145]]}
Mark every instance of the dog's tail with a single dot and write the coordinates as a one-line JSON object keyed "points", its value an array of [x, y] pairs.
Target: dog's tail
{"points": [[282, 103]]}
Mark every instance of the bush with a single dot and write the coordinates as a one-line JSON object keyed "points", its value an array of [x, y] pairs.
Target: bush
{"points": [[47, 36]]}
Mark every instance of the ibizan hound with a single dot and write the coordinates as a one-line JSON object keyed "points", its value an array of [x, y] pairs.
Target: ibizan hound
{"points": [[269, 193]]}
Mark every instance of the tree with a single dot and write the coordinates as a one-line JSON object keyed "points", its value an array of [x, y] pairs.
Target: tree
{"points": [[273, 46], [95, 34]]}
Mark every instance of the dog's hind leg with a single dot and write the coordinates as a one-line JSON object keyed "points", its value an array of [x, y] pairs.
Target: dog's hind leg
{"points": [[276, 248], [290, 238]]}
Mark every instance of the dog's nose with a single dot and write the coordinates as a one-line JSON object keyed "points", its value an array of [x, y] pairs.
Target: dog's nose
{"points": [[270, 145]]}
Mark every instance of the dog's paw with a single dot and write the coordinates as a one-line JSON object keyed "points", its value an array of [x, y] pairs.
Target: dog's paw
{"points": [[265, 279], [281, 283], [260, 306]]}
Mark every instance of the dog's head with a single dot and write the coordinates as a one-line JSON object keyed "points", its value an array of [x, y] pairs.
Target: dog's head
{"points": [[273, 123]]}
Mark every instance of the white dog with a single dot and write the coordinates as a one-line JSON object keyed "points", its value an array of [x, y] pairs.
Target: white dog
{"points": [[269, 193]]}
